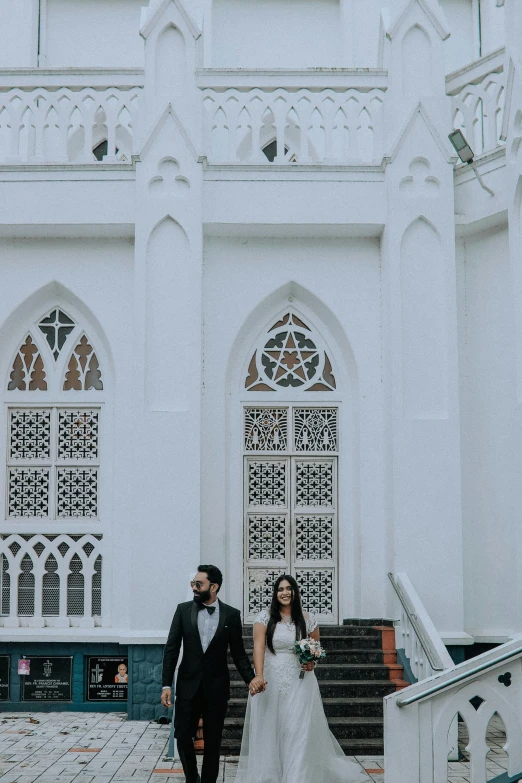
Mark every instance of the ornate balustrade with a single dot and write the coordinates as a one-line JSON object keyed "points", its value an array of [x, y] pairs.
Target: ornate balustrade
{"points": [[485, 689], [53, 580], [478, 95], [294, 125], [57, 125]]}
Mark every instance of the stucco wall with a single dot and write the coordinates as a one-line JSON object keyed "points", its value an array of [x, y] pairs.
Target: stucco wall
{"points": [[490, 421]]}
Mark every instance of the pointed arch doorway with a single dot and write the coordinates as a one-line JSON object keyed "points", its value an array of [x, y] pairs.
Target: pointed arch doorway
{"points": [[290, 434]]}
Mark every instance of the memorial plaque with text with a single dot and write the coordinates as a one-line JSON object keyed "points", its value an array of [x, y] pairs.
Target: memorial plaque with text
{"points": [[5, 663], [50, 679], [107, 679]]}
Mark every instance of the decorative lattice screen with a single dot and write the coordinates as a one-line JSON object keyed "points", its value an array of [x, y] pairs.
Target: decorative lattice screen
{"points": [[291, 456], [53, 462]]}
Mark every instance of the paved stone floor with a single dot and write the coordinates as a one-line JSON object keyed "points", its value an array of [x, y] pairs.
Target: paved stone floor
{"points": [[82, 747], [496, 760]]}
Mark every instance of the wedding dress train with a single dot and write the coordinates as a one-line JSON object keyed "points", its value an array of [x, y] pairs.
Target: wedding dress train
{"points": [[286, 738]]}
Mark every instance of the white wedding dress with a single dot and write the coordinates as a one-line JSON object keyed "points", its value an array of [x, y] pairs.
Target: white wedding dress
{"points": [[286, 738]]}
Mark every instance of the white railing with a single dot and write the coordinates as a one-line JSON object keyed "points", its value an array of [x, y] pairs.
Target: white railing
{"points": [[50, 580], [419, 719], [43, 125], [283, 125], [417, 638], [478, 96], [416, 634]]}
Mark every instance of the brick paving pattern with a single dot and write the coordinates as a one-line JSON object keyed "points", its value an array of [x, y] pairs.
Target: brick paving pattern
{"points": [[82, 747]]}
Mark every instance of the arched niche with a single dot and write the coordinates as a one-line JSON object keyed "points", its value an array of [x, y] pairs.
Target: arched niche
{"points": [[424, 323], [416, 61], [168, 296], [170, 60]]}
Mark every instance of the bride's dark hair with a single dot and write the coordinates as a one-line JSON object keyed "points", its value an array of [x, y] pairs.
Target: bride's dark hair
{"points": [[275, 611]]}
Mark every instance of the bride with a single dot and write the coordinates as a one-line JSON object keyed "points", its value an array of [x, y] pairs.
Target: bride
{"points": [[286, 738]]}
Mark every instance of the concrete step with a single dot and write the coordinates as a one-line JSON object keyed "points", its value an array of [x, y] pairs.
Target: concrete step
{"points": [[351, 747], [359, 670], [340, 689], [342, 655], [346, 671], [364, 707], [342, 728], [334, 630], [337, 641], [374, 621]]}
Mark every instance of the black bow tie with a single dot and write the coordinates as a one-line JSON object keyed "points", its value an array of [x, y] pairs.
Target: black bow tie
{"points": [[210, 609]]}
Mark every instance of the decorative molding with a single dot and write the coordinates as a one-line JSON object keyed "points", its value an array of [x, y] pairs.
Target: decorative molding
{"points": [[441, 144], [151, 14], [158, 126], [433, 12]]}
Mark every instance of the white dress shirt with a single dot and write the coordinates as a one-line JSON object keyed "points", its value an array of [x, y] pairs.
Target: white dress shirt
{"points": [[207, 624]]}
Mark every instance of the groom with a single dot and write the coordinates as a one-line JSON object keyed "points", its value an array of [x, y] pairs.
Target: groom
{"points": [[207, 628]]}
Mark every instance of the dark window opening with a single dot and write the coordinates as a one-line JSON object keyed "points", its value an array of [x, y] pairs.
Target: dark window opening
{"points": [[271, 150], [101, 149]]}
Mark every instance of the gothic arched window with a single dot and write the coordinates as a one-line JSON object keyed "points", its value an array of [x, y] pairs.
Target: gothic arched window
{"points": [[291, 453], [55, 395]]}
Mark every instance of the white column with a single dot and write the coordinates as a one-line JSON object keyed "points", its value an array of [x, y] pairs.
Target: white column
{"points": [[167, 317], [418, 250]]}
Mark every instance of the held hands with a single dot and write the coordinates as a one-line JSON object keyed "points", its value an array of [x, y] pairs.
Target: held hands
{"points": [[166, 697], [257, 685]]}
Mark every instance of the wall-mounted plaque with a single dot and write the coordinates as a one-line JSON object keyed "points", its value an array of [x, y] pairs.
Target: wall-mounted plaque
{"points": [[50, 679], [107, 679], [5, 663]]}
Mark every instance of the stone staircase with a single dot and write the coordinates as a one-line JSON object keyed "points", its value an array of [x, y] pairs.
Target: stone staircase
{"points": [[359, 670]]}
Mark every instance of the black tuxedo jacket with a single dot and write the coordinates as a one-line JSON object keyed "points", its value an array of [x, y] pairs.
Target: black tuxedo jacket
{"points": [[210, 667]]}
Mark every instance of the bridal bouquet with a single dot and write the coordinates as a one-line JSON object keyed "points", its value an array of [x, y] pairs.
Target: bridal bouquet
{"points": [[308, 650]]}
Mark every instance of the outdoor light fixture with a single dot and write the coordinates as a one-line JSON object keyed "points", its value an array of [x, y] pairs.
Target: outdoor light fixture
{"points": [[466, 154], [461, 146]]}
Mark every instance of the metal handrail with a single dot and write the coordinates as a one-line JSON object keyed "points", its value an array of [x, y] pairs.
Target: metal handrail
{"points": [[458, 678], [432, 655]]}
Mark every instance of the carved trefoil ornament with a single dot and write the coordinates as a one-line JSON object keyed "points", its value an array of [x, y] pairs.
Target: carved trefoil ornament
{"points": [[83, 371], [28, 370]]}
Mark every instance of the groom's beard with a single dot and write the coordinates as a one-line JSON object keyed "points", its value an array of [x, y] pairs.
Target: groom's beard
{"points": [[202, 597]]}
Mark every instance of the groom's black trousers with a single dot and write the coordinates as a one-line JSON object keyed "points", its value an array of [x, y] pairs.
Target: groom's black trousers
{"points": [[186, 718]]}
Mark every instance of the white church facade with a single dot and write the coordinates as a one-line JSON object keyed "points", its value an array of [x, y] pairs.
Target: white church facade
{"points": [[254, 311]]}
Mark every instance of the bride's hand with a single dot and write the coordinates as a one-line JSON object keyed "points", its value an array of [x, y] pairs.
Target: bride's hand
{"points": [[257, 685], [308, 667]]}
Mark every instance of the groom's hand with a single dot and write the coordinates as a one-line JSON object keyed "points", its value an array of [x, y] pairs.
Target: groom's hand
{"points": [[257, 685], [166, 697]]}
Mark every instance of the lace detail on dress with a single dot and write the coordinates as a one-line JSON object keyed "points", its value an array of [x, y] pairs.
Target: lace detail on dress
{"points": [[263, 617], [283, 667], [311, 623]]}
